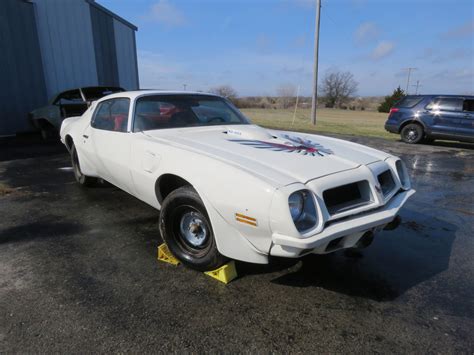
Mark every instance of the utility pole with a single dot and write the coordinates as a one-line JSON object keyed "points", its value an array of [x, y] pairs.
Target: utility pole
{"points": [[315, 68], [417, 86], [408, 79], [184, 86]]}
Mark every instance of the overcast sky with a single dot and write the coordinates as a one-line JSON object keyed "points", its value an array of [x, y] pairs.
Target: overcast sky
{"points": [[257, 45]]}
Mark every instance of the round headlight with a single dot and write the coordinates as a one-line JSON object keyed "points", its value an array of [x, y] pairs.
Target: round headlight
{"points": [[296, 204]]}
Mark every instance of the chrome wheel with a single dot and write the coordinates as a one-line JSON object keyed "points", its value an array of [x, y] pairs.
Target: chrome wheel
{"points": [[412, 133], [193, 229]]}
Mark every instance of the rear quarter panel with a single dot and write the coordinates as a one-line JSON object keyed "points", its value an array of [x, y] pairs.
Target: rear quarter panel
{"points": [[49, 113]]}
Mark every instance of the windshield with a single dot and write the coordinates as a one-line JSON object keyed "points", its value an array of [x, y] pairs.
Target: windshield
{"points": [[173, 111]]}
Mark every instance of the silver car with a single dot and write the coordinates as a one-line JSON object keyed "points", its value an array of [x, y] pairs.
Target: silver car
{"points": [[69, 103]]}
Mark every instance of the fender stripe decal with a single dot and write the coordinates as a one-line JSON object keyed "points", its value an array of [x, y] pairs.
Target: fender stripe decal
{"points": [[245, 219]]}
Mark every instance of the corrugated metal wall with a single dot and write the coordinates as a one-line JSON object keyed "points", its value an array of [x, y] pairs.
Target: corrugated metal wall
{"points": [[126, 55], [48, 46], [67, 45], [22, 86], [104, 44]]}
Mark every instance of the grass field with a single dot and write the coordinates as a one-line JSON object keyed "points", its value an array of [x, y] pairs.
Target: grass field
{"points": [[360, 123]]}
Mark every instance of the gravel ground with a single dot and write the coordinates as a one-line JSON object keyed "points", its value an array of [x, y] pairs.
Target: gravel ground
{"points": [[79, 272]]}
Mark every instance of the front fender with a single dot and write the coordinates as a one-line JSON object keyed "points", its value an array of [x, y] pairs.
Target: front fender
{"points": [[224, 189]]}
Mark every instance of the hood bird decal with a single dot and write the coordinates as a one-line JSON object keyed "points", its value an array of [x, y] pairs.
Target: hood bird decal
{"points": [[292, 145]]}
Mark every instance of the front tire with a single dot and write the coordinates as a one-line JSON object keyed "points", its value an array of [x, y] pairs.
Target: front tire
{"points": [[82, 179], [187, 231], [412, 133]]}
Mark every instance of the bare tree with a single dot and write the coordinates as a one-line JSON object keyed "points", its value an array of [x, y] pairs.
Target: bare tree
{"points": [[226, 91], [338, 87], [287, 95]]}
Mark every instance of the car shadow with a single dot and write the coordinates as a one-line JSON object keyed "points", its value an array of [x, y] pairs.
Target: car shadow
{"points": [[27, 146], [396, 261]]}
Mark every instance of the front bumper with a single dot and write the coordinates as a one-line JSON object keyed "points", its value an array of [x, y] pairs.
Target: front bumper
{"points": [[348, 231]]}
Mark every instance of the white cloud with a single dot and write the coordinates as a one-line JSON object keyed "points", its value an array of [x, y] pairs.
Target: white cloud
{"points": [[450, 81], [165, 13], [464, 30], [383, 49], [248, 71], [155, 71], [366, 32]]}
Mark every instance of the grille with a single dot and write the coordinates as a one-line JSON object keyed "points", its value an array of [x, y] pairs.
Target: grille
{"points": [[386, 182], [346, 197]]}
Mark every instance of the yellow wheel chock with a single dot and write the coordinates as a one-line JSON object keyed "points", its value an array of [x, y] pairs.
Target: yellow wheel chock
{"points": [[165, 255], [226, 273]]}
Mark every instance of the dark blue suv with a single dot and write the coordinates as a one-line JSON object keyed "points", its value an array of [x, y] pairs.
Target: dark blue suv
{"points": [[430, 117]]}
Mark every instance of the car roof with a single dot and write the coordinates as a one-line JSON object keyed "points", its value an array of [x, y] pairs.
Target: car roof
{"points": [[138, 93]]}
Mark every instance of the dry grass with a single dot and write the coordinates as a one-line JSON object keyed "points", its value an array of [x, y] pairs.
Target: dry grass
{"points": [[360, 123]]}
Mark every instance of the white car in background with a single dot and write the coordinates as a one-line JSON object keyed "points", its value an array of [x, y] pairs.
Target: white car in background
{"points": [[229, 189]]}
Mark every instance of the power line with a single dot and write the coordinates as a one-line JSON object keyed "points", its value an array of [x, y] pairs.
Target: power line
{"points": [[417, 85], [408, 79]]}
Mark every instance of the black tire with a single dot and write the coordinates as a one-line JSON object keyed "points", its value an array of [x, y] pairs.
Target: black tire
{"points": [[412, 133], [187, 231], [82, 179]]}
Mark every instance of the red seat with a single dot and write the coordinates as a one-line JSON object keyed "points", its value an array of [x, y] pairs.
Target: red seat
{"points": [[119, 122]]}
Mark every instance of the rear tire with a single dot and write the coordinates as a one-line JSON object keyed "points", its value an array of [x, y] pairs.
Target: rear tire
{"points": [[82, 179], [187, 231], [412, 133]]}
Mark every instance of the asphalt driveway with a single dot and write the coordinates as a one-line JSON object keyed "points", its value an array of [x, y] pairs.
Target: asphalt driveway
{"points": [[78, 273]]}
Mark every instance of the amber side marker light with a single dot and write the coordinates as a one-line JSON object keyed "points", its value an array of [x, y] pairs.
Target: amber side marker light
{"points": [[245, 219]]}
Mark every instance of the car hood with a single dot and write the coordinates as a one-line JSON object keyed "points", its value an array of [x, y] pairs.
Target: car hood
{"points": [[280, 156]]}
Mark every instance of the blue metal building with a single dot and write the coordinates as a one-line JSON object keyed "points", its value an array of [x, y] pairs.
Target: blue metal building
{"points": [[48, 46]]}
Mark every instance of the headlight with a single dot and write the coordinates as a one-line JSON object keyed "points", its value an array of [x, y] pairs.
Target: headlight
{"points": [[403, 174], [302, 210], [296, 203]]}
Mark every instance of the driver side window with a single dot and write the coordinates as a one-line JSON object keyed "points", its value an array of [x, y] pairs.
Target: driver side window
{"points": [[112, 115]]}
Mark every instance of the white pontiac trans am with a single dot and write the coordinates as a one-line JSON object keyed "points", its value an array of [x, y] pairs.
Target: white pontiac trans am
{"points": [[229, 189]]}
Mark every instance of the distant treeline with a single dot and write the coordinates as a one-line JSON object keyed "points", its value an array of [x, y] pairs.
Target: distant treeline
{"points": [[304, 102]]}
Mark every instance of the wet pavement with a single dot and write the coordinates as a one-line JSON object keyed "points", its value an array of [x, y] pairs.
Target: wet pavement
{"points": [[79, 274]]}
